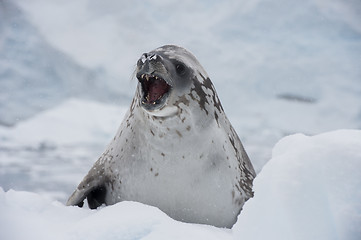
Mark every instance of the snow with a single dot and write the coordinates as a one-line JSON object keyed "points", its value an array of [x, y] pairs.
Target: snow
{"points": [[310, 189], [43, 219], [280, 68]]}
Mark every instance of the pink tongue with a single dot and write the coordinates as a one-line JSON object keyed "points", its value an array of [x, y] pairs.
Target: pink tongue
{"points": [[156, 90]]}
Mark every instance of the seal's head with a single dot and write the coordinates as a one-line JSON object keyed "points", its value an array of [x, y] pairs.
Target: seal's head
{"points": [[165, 74]]}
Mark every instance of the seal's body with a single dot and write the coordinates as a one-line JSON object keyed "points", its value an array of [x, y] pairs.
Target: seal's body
{"points": [[175, 149]]}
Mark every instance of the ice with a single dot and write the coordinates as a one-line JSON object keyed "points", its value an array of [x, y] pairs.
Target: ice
{"points": [[255, 52], [51, 152], [34, 76]]}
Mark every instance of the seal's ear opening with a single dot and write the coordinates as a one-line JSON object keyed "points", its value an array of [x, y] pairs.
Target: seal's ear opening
{"points": [[96, 197]]}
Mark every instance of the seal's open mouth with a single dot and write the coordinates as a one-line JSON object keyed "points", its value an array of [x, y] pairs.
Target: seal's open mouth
{"points": [[155, 89]]}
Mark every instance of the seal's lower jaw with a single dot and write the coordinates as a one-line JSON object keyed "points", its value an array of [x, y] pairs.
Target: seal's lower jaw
{"points": [[154, 92]]}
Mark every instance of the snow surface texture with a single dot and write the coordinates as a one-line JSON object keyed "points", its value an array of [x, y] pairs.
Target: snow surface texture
{"points": [[310, 189]]}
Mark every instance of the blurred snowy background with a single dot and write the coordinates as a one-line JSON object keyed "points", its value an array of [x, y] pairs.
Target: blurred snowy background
{"points": [[66, 74]]}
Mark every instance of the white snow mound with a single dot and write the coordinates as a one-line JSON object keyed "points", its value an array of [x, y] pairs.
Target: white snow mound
{"points": [[26, 215], [310, 189]]}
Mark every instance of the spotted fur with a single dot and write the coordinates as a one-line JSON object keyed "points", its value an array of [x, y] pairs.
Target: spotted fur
{"points": [[181, 155]]}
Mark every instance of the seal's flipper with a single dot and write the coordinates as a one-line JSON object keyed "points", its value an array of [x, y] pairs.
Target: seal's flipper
{"points": [[94, 194], [93, 188], [96, 197]]}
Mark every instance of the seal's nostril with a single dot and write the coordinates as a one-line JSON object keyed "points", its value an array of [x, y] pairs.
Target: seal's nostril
{"points": [[147, 57], [153, 56], [143, 58]]}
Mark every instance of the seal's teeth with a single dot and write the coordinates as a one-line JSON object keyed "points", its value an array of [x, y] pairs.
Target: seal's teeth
{"points": [[156, 77], [143, 101], [142, 76], [153, 103], [147, 77]]}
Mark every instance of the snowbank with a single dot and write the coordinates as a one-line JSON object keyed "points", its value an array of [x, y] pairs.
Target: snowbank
{"points": [[26, 215], [310, 189]]}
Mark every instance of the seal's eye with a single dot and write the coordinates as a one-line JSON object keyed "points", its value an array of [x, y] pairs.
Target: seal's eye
{"points": [[180, 68]]}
